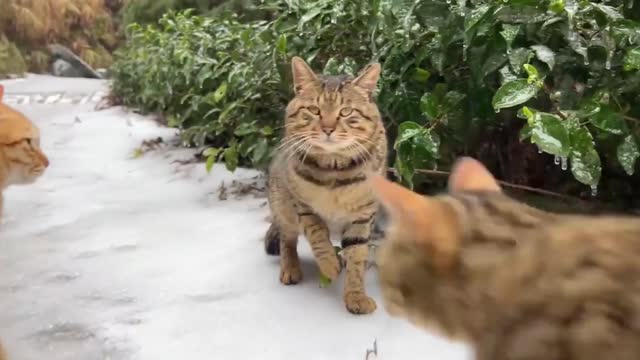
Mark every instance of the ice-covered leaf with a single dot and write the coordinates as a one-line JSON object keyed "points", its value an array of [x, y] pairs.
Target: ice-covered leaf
{"points": [[513, 93], [628, 154]]}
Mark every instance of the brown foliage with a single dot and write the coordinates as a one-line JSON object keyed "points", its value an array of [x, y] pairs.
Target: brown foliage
{"points": [[86, 26]]}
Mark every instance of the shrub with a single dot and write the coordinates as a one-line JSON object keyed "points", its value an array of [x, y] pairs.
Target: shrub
{"points": [[516, 83]]}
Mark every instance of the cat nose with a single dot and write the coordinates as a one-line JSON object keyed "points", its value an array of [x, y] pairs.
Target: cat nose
{"points": [[328, 131]]}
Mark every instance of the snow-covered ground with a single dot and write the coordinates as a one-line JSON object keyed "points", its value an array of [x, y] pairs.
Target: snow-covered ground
{"points": [[113, 256]]}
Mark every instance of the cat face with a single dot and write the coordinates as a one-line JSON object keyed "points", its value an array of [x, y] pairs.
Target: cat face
{"points": [[424, 239], [20, 147], [333, 114]]}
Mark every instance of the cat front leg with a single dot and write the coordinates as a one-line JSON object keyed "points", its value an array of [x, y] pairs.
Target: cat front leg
{"points": [[355, 239], [317, 233]]}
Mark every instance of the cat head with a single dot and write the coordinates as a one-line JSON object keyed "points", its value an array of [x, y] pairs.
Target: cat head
{"points": [[424, 236], [20, 150], [332, 114]]}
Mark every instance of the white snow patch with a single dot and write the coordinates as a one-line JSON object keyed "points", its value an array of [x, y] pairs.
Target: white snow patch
{"points": [[114, 257]]}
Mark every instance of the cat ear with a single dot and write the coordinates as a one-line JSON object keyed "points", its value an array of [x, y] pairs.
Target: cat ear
{"points": [[429, 223], [368, 77], [469, 174], [302, 74]]}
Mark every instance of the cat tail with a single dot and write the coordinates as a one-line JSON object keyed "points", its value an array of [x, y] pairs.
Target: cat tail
{"points": [[271, 241]]}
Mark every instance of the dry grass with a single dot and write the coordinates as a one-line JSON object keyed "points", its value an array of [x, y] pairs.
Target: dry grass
{"points": [[86, 26]]}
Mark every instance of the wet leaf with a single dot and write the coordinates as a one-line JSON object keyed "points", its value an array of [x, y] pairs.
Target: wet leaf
{"points": [[611, 12], [628, 154], [509, 33], [220, 93], [610, 121], [632, 60], [429, 106], [550, 135], [585, 161], [545, 54], [513, 93], [518, 58]]}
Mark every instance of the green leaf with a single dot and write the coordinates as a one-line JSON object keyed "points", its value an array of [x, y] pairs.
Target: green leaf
{"points": [[628, 153], [585, 161], [610, 121], [550, 135], [475, 16], [212, 155], [532, 72], [632, 59], [518, 58], [332, 67], [509, 33], [281, 45], [422, 75], [220, 92], [452, 100], [324, 281], [260, 150], [429, 106], [588, 109], [556, 6], [513, 93], [609, 11], [231, 157], [245, 128], [545, 54]]}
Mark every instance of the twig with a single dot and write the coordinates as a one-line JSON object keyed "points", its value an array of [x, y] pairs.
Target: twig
{"points": [[627, 117], [372, 354], [503, 183]]}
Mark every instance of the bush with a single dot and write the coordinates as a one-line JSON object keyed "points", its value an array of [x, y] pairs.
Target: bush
{"points": [[516, 83]]}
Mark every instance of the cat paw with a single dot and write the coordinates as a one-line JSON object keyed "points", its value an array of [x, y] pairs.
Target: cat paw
{"points": [[330, 267], [291, 275], [272, 241], [359, 303]]}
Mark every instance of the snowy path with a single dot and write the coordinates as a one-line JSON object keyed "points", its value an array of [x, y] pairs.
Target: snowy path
{"points": [[113, 257]]}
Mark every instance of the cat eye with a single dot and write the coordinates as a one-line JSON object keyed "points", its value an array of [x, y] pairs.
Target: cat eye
{"points": [[346, 111], [314, 110]]}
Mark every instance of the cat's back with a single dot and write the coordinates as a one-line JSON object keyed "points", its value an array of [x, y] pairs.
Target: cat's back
{"points": [[571, 290]]}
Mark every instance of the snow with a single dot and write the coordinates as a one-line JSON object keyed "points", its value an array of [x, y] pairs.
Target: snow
{"points": [[112, 256]]}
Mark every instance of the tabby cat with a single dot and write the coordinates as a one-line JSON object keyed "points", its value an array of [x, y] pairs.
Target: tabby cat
{"points": [[515, 282], [334, 136], [21, 159]]}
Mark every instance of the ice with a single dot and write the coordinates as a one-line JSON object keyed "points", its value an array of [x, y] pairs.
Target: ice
{"points": [[112, 256]]}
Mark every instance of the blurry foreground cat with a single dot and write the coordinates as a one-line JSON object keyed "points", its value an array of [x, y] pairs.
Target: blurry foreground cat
{"points": [[21, 159], [515, 282]]}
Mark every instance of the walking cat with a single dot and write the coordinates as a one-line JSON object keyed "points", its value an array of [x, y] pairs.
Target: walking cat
{"points": [[334, 136], [515, 282], [21, 159]]}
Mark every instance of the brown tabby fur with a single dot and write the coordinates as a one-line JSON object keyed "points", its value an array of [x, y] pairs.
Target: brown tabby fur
{"points": [[334, 136], [3, 354], [515, 282], [21, 159]]}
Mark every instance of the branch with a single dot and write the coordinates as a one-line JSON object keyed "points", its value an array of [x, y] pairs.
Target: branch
{"points": [[503, 183]]}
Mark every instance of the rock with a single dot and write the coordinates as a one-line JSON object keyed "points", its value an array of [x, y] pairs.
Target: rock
{"points": [[63, 68], [80, 68]]}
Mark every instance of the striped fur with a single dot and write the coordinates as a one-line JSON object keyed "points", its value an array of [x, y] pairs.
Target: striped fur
{"points": [[515, 282], [333, 138]]}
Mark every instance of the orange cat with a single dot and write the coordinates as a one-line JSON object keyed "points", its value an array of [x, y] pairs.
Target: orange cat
{"points": [[515, 282], [21, 159]]}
